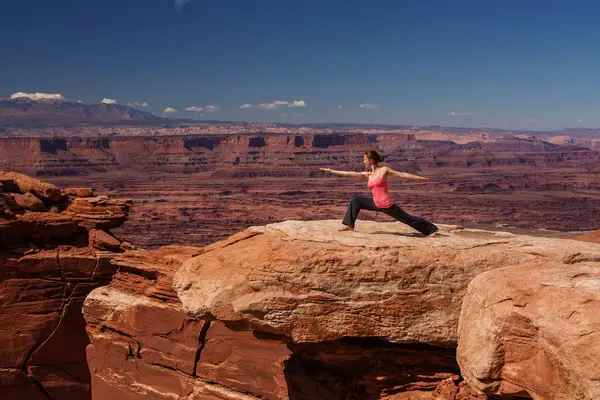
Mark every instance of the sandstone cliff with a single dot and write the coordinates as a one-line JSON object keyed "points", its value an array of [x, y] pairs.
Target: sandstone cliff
{"points": [[297, 310], [49, 262], [274, 154]]}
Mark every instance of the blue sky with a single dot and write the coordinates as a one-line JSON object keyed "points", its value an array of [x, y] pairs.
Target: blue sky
{"points": [[530, 64]]}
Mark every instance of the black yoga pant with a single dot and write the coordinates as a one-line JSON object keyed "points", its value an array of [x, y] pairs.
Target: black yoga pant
{"points": [[366, 203]]}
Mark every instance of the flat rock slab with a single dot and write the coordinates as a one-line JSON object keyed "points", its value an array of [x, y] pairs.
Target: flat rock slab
{"points": [[309, 282]]}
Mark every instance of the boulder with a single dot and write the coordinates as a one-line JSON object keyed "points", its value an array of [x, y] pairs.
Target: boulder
{"points": [[79, 192], [29, 201], [101, 240], [534, 330], [27, 184], [99, 212], [310, 283]]}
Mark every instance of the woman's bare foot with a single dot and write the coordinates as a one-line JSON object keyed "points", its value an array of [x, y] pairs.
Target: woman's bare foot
{"points": [[346, 228]]}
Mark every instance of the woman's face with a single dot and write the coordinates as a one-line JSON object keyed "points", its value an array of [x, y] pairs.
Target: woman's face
{"points": [[367, 162]]}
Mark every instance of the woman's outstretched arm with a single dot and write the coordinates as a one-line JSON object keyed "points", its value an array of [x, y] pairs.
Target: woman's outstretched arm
{"points": [[352, 174], [405, 175]]}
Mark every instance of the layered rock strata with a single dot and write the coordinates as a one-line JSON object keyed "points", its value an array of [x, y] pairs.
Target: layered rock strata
{"points": [[297, 310], [47, 268], [144, 345]]}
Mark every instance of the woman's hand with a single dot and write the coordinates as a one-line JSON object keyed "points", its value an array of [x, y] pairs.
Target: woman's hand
{"points": [[424, 179], [326, 169]]}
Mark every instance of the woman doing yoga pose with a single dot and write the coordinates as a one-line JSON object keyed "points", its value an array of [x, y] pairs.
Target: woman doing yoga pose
{"points": [[381, 201]]}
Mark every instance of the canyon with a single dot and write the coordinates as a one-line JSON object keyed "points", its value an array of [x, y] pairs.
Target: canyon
{"points": [[196, 189]]}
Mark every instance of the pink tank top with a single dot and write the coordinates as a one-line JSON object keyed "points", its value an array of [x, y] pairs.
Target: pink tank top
{"points": [[381, 197]]}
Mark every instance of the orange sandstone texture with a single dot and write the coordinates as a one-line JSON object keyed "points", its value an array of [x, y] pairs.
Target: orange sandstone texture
{"points": [[534, 332], [297, 310]]}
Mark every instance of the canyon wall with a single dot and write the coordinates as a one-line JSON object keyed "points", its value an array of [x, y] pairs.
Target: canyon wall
{"points": [[55, 248], [272, 155]]}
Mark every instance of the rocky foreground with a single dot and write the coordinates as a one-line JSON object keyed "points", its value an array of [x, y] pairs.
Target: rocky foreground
{"points": [[297, 310], [55, 247]]}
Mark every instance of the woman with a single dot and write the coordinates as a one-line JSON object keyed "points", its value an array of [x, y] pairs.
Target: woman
{"points": [[381, 201]]}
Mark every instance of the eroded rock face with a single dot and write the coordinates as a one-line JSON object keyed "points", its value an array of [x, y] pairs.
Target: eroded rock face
{"points": [[42, 335], [143, 345], [298, 310], [46, 271], [308, 282], [534, 330]]}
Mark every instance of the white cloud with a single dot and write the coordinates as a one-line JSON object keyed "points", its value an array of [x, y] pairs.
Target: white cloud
{"points": [[283, 115], [212, 108], [276, 104], [339, 107], [266, 106], [170, 110], [137, 104], [578, 121], [38, 96], [460, 113], [180, 3], [108, 101], [297, 103], [369, 106], [79, 101], [194, 109]]}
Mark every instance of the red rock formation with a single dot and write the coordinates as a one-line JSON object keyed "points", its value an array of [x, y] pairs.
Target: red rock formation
{"points": [[143, 344], [46, 271], [382, 281], [298, 310], [79, 192], [26, 184], [29, 201], [98, 212], [533, 330]]}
